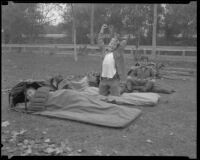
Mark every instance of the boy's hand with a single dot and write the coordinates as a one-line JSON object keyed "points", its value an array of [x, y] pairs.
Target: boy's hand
{"points": [[103, 27]]}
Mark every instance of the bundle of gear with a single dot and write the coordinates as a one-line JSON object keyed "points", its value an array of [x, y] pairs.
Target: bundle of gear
{"points": [[19, 93]]}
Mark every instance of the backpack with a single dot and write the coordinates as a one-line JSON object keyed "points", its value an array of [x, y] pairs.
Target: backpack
{"points": [[18, 93]]}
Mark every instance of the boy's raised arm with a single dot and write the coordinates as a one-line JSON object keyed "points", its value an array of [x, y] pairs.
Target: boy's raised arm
{"points": [[101, 36]]}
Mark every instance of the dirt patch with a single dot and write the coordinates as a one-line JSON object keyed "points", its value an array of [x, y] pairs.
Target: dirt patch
{"points": [[166, 129]]}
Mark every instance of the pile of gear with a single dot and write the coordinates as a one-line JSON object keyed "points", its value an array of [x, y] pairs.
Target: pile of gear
{"points": [[21, 92]]}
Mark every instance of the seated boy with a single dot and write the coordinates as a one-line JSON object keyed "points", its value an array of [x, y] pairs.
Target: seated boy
{"points": [[141, 78]]}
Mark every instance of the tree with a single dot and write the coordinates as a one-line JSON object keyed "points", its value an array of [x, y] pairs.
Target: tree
{"points": [[20, 19], [34, 25], [139, 19], [180, 19], [12, 21], [135, 19], [115, 17], [83, 20], [46, 10]]}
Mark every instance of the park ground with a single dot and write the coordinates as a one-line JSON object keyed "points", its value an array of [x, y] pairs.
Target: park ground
{"points": [[167, 129]]}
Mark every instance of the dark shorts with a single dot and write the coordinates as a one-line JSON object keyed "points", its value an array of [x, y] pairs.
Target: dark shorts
{"points": [[109, 86]]}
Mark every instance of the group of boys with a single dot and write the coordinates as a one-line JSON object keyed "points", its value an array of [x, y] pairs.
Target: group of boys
{"points": [[141, 77]]}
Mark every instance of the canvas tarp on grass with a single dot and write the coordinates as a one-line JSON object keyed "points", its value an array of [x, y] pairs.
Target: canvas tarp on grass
{"points": [[89, 107]]}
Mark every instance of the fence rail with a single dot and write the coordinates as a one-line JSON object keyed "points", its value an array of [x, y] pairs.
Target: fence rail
{"points": [[128, 47], [162, 52]]}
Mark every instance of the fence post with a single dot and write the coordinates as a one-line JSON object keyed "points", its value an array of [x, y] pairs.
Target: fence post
{"points": [[145, 53], [23, 49], [43, 50], [55, 49], [10, 49], [133, 54], [183, 54], [132, 51]]}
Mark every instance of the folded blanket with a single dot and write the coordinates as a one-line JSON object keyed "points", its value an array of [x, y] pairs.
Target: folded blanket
{"points": [[134, 99]]}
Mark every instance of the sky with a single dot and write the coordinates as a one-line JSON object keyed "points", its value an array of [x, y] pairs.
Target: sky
{"points": [[52, 12], [58, 19]]}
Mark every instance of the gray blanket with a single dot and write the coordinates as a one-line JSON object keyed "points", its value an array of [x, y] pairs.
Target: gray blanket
{"points": [[87, 106]]}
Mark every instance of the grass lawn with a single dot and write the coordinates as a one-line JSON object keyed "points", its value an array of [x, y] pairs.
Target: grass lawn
{"points": [[168, 128]]}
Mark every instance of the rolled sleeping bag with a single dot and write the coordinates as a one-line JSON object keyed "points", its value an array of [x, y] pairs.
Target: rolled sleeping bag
{"points": [[37, 103]]}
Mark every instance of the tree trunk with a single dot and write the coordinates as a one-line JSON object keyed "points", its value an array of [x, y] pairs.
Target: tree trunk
{"points": [[92, 25], [154, 32], [74, 34], [137, 46]]}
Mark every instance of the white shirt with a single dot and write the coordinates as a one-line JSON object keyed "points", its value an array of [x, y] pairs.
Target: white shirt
{"points": [[108, 66]]}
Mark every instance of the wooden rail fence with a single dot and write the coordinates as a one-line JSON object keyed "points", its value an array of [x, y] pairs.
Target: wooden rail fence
{"points": [[174, 53]]}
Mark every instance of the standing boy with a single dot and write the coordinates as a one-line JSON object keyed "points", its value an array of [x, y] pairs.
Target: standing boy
{"points": [[113, 68]]}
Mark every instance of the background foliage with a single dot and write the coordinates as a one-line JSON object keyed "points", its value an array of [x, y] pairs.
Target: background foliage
{"points": [[176, 24]]}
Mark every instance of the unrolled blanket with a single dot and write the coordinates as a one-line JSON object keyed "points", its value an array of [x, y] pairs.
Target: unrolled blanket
{"points": [[88, 106]]}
